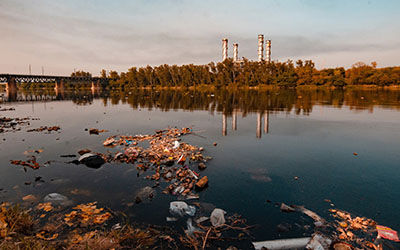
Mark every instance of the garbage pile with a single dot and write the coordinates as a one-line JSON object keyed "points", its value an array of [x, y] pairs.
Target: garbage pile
{"points": [[8, 124], [208, 230], [345, 231], [170, 159], [45, 128]]}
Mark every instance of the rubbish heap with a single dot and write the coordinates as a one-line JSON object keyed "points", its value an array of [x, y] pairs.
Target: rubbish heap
{"points": [[171, 160]]}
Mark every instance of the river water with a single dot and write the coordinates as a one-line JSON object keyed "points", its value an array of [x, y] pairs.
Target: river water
{"points": [[292, 146]]}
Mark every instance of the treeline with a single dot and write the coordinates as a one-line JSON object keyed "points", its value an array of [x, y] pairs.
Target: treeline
{"points": [[250, 73]]}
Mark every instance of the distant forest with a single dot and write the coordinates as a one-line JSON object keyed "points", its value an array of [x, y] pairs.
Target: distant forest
{"points": [[250, 73]]}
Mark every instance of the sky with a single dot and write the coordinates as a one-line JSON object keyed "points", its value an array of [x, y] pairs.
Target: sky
{"points": [[63, 36]]}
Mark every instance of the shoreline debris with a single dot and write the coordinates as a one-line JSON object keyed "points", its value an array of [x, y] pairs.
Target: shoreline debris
{"points": [[44, 128]]}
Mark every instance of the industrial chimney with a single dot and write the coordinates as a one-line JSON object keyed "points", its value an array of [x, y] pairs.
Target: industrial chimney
{"points": [[224, 49], [260, 47], [235, 52], [268, 51]]}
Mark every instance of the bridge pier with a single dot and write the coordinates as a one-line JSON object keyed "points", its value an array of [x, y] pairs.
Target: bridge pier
{"points": [[11, 84], [11, 89], [95, 87], [59, 88]]}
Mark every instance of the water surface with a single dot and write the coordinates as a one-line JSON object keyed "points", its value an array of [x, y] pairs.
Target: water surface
{"points": [[264, 140]]}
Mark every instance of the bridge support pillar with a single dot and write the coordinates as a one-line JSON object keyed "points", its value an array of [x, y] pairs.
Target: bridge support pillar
{"points": [[59, 88], [11, 84], [95, 87], [11, 89]]}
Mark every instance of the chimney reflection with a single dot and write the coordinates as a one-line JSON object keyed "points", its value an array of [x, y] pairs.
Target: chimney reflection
{"points": [[234, 120], [258, 134], [266, 122], [260, 117], [224, 125]]}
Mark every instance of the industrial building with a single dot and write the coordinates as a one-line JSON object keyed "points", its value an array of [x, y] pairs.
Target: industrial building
{"points": [[260, 51]]}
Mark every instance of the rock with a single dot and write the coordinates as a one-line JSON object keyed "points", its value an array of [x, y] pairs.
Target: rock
{"points": [[217, 217], [287, 209], [84, 151], [181, 208], [58, 199], [202, 166], [92, 160], [202, 183]]}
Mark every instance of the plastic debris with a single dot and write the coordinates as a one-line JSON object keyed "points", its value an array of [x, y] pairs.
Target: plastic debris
{"points": [[299, 243], [176, 145], [201, 219], [317, 219], [171, 219], [181, 208], [286, 208], [57, 199], [190, 228], [387, 233], [217, 217], [319, 242]]}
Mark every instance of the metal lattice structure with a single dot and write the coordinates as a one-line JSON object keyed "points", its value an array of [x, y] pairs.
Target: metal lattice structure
{"points": [[4, 78]]}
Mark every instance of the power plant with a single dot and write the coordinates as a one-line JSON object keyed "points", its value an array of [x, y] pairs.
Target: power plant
{"points": [[224, 49], [260, 50]]}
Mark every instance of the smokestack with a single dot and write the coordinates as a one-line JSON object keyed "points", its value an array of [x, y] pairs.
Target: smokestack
{"points": [[224, 49], [260, 47], [235, 52], [268, 51]]}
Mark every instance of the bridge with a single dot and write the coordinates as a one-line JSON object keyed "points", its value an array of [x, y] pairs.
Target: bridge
{"points": [[12, 79]]}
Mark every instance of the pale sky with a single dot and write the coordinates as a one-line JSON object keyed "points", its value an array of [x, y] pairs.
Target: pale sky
{"points": [[91, 35]]}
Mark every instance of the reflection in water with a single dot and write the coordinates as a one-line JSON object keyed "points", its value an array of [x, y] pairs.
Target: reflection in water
{"points": [[228, 102]]}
